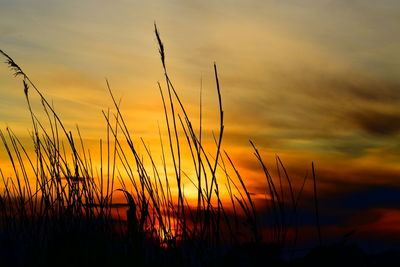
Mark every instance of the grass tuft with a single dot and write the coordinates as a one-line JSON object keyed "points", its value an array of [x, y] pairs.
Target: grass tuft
{"points": [[58, 203]]}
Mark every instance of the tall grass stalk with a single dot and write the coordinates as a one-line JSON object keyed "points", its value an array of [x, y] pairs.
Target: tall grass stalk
{"points": [[58, 189]]}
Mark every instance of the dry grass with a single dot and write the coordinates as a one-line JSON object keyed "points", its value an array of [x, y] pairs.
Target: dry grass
{"points": [[58, 194]]}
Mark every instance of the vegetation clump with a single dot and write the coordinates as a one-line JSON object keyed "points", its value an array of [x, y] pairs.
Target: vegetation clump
{"points": [[59, 208]]}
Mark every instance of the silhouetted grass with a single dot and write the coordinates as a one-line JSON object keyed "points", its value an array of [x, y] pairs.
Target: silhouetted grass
{"points": [[58, 207]]}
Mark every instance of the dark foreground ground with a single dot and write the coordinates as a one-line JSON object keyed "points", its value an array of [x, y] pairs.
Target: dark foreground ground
{"points": [[89, 249]]}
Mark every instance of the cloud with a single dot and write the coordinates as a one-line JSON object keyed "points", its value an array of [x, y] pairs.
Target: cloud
{"points": [[373, 197], [377, 122]]}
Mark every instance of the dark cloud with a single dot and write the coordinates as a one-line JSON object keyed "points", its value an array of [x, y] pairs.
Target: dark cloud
{"points": [[352, 178], [377, 122], [309, 103], [375, 197]]}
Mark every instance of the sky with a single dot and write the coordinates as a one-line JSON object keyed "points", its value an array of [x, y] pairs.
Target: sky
{"points": [[306, 80]]}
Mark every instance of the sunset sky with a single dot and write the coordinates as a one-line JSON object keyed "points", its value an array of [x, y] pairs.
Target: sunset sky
{"points": [[306, 80]]}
